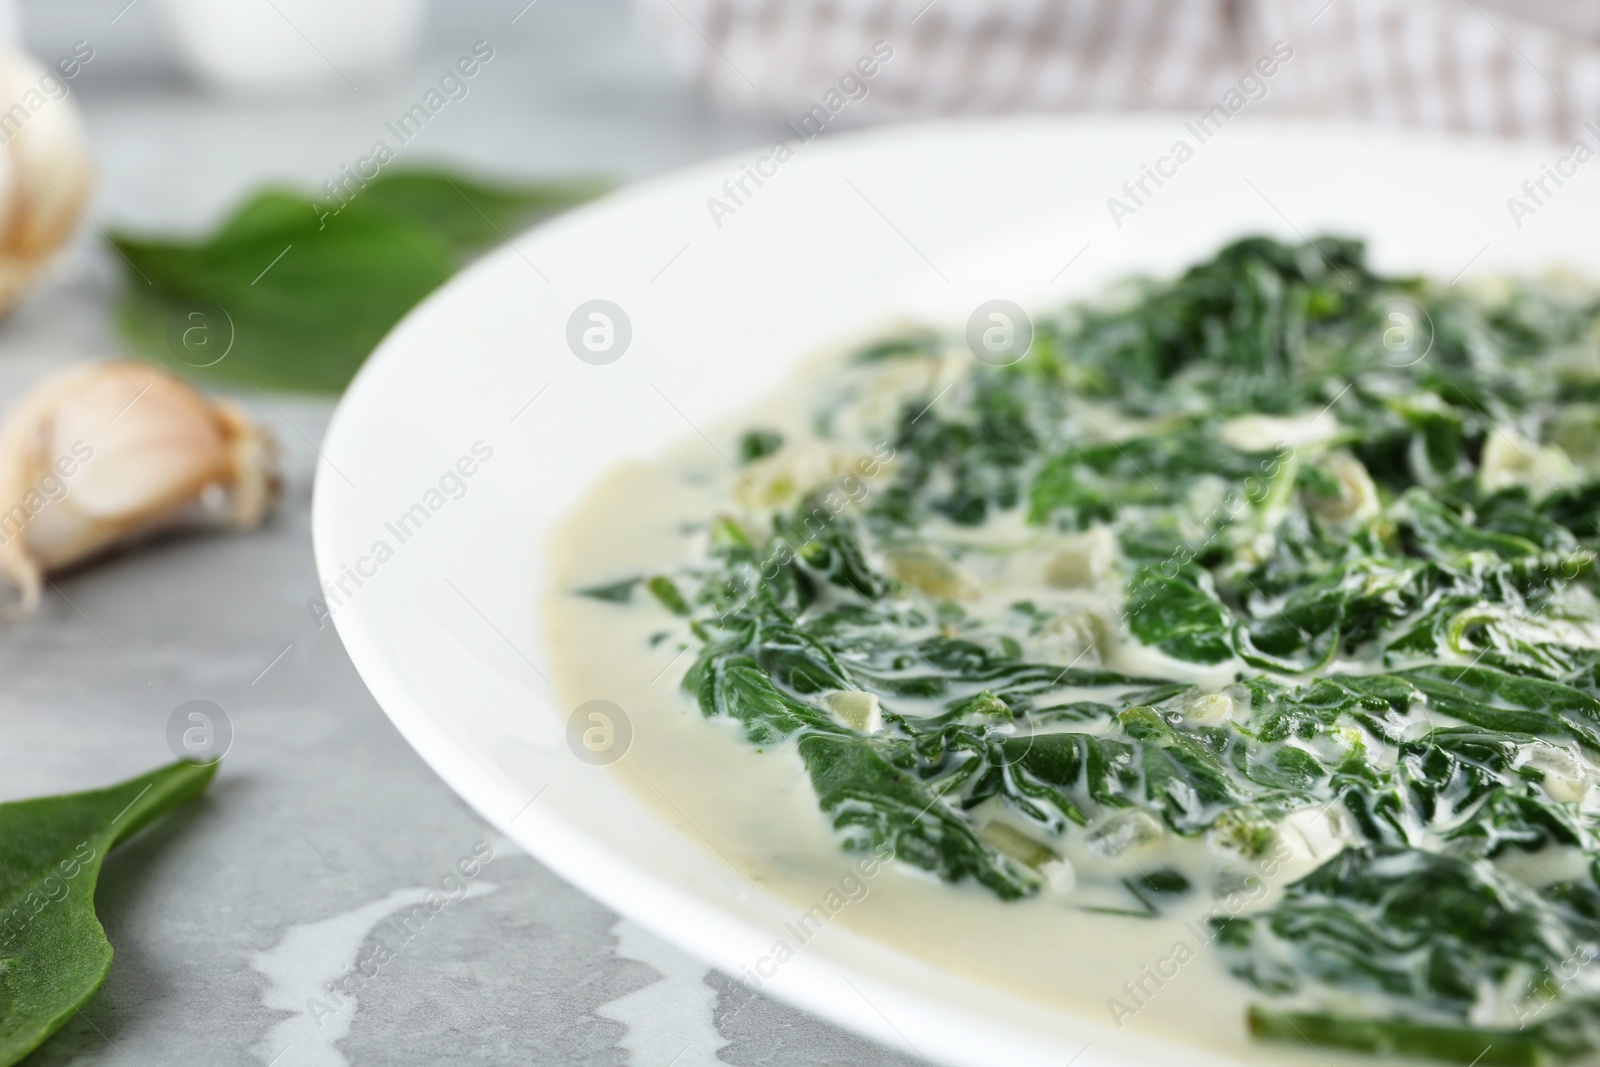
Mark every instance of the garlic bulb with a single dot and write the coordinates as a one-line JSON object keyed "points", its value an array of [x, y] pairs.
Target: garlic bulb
{"points": [[44, 170], [101, 455]]}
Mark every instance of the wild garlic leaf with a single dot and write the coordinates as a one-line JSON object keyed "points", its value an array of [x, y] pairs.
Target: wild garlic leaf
{"points": [[469, 214], [53, 952], [292, 293]]}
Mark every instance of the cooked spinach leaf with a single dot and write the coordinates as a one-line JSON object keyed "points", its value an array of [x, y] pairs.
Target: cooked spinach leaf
{"points": [[1438, 942], [612, 592]]}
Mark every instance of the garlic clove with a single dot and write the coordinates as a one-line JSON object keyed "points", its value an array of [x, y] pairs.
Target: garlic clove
{"points": [[1358, 494], [858, 710], [1207, 707], [47, 169], [50, 149], [1509, 460], [1060, 875], [1264, 433], [1565, 777], [1313, 836], [161, 442], [1083, 559], [102, 455], [15, 272], [1128, 829], [1016, 844], [927, 569], [1077, 634]]}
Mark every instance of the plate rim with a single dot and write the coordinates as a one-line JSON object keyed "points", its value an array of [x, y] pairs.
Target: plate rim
{"points": [[589, 865]]}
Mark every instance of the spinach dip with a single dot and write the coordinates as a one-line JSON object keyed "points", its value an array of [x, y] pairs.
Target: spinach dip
{"points": [[1227, 666]]}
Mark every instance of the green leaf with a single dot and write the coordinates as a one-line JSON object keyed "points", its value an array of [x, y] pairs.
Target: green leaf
{"points": [[612, 592], [468, 214], [754, 444], [1180, 618], [666, 591], [291, 293], [875, 803], [1496, 700], [1533, 1046], [53, 952], [1424, 935]]}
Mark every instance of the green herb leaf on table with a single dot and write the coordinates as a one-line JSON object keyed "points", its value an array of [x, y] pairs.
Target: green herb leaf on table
{"points": [[53, 952], [293, 293]]}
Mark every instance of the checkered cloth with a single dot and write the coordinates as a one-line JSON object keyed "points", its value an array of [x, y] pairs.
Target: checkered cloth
{"points": [[1517, 68]]}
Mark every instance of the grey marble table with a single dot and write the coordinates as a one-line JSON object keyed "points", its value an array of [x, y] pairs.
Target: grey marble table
{"points": [[230, 917]]}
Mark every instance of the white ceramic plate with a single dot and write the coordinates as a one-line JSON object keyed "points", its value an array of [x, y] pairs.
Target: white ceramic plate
{"points": [[441, 583]]}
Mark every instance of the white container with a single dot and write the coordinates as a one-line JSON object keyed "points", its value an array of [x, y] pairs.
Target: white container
{"points": [[293, 47], [10, 24]]}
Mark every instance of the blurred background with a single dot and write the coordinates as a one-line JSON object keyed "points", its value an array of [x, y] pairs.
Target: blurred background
{"points": [[231, 917], [573, 87]]}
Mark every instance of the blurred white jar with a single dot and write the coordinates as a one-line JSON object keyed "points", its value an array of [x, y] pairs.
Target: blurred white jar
{"points": [[293, 47], [10, 23]]}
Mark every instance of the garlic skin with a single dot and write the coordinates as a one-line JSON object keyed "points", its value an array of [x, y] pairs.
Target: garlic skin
{"points": [[44, 170], [105, 454]]}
